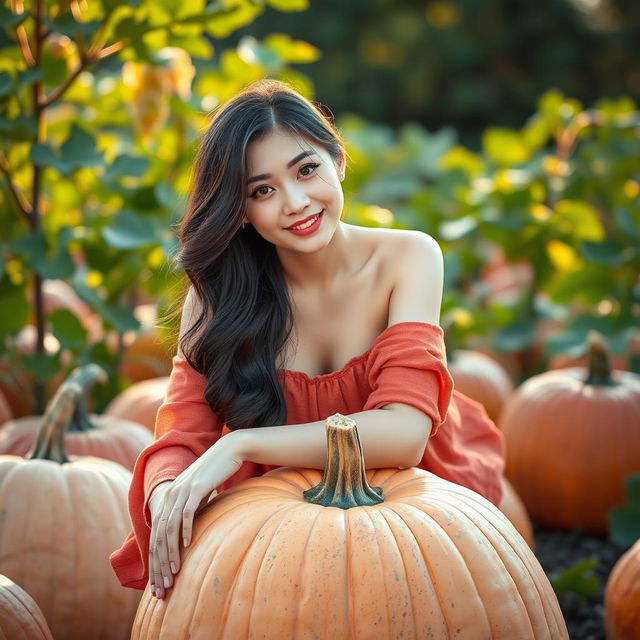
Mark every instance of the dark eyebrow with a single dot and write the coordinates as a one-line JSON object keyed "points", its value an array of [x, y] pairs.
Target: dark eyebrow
{"points": [[300, 156]]}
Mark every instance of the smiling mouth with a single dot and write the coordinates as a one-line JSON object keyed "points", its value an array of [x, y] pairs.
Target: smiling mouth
{"points": [[306, 223]]}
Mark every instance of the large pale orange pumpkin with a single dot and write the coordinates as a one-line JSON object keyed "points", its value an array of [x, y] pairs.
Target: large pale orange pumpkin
{"points": [[295, 554], [20, 616], [140, 402], [480, 377], [622, 597], [572, 437], [106, 437], [514, 509], [60, 518]]}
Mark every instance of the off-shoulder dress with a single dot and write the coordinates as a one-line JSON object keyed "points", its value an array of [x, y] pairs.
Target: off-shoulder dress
{"points": [[406, 363]]}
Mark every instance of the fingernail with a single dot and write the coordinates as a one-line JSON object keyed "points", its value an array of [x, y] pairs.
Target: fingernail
{"points": [[173, 567], [185, 542], [167, 583]]}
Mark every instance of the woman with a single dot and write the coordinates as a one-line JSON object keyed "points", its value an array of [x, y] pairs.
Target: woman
{"points": [[292, 316]]}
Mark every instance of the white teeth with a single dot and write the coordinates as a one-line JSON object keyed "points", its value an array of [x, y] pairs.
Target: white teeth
{"points": [[306, 225]]}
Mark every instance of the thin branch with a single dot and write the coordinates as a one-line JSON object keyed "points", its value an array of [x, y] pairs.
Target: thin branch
{"points": [[18, 7], [21, 201], [85, 62], [58, 91]]}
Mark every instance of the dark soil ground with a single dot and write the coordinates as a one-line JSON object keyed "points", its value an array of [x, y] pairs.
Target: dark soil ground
{"points": [[558, 550]]}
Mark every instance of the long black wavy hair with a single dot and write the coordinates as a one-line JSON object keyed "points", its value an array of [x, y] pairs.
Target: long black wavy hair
{"points": [[245, 315]]}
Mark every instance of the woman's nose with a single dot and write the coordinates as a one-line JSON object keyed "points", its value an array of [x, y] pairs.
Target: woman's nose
{"points": [[296, 199]]}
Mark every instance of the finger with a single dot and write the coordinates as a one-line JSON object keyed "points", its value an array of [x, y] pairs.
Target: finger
{"points": [[154, 567], [172, 538], [163, 570], [188, 512]]}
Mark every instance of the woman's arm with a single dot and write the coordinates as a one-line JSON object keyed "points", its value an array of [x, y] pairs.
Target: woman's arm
{"points": [[395, 436]]}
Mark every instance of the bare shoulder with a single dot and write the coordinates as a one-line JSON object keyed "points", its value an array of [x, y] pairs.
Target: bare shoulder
{"points": [[402, 251], [415, 260]]}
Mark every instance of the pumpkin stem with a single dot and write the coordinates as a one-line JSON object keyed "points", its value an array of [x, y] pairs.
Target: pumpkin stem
{"points": [[86, 378], [61, 410], [598, 361], [344, 483]]}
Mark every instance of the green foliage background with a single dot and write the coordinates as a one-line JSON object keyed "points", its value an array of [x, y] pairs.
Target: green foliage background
{"points": [[88, 198]]}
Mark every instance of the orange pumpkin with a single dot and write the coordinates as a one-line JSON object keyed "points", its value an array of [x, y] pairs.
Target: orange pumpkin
{"points": [[147, 353], [140, 402], [480, 377], [17, 384], [572, 437], [20, 616], [298, 554], [514, 509], [87, 435], [60, 519], [622, 597]]}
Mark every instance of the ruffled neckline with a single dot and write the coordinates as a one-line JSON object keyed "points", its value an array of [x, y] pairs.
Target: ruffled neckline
{"points": [[292, 373]]}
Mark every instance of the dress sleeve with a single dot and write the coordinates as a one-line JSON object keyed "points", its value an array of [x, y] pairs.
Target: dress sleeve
{"points": [[408, 364], [185, 428]]}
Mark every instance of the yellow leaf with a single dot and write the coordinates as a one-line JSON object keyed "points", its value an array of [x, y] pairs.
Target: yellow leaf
{"points": [[580, 219], [563, 256], [94, 279]]}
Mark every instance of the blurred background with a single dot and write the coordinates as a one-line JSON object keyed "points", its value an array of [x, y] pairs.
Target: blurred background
{"points": [[507, 129]]}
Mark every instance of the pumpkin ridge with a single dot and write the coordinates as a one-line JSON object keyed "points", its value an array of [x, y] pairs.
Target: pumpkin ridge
{"points": [[386, 511], [239, 579], [488, 530], [321, 513], [492, 533], [442, 542]]}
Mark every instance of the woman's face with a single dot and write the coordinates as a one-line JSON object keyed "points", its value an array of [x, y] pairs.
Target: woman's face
{"points": [[291, 179]]}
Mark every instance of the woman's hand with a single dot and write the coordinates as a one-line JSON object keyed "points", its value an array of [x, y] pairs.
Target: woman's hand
{"points": [[173, 505]]}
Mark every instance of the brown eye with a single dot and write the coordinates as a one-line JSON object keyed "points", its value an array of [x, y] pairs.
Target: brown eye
{"points": [[308, 169]]}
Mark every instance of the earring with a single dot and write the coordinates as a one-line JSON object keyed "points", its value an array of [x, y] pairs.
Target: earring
{"points": [[243, 226]]}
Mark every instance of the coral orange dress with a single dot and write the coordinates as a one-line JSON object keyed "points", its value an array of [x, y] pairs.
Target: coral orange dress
{"points": [[406, 363]]}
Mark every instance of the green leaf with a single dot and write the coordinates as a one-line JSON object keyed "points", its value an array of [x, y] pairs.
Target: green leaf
{"points": [[21, 128], [607, 252], [225, 20], [68, 26], [579, 579], [68, 329], [624, 521], [79, 149], [8, 19], [29, 77], [289, 50], [42, 365], [130, 231], [125, 165], [6, 84], [289, 5], [15, 299], [515, 337], [591, 283], [505, 146], [32, 247], [121, 318], [579, 219], [624, 526]]}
